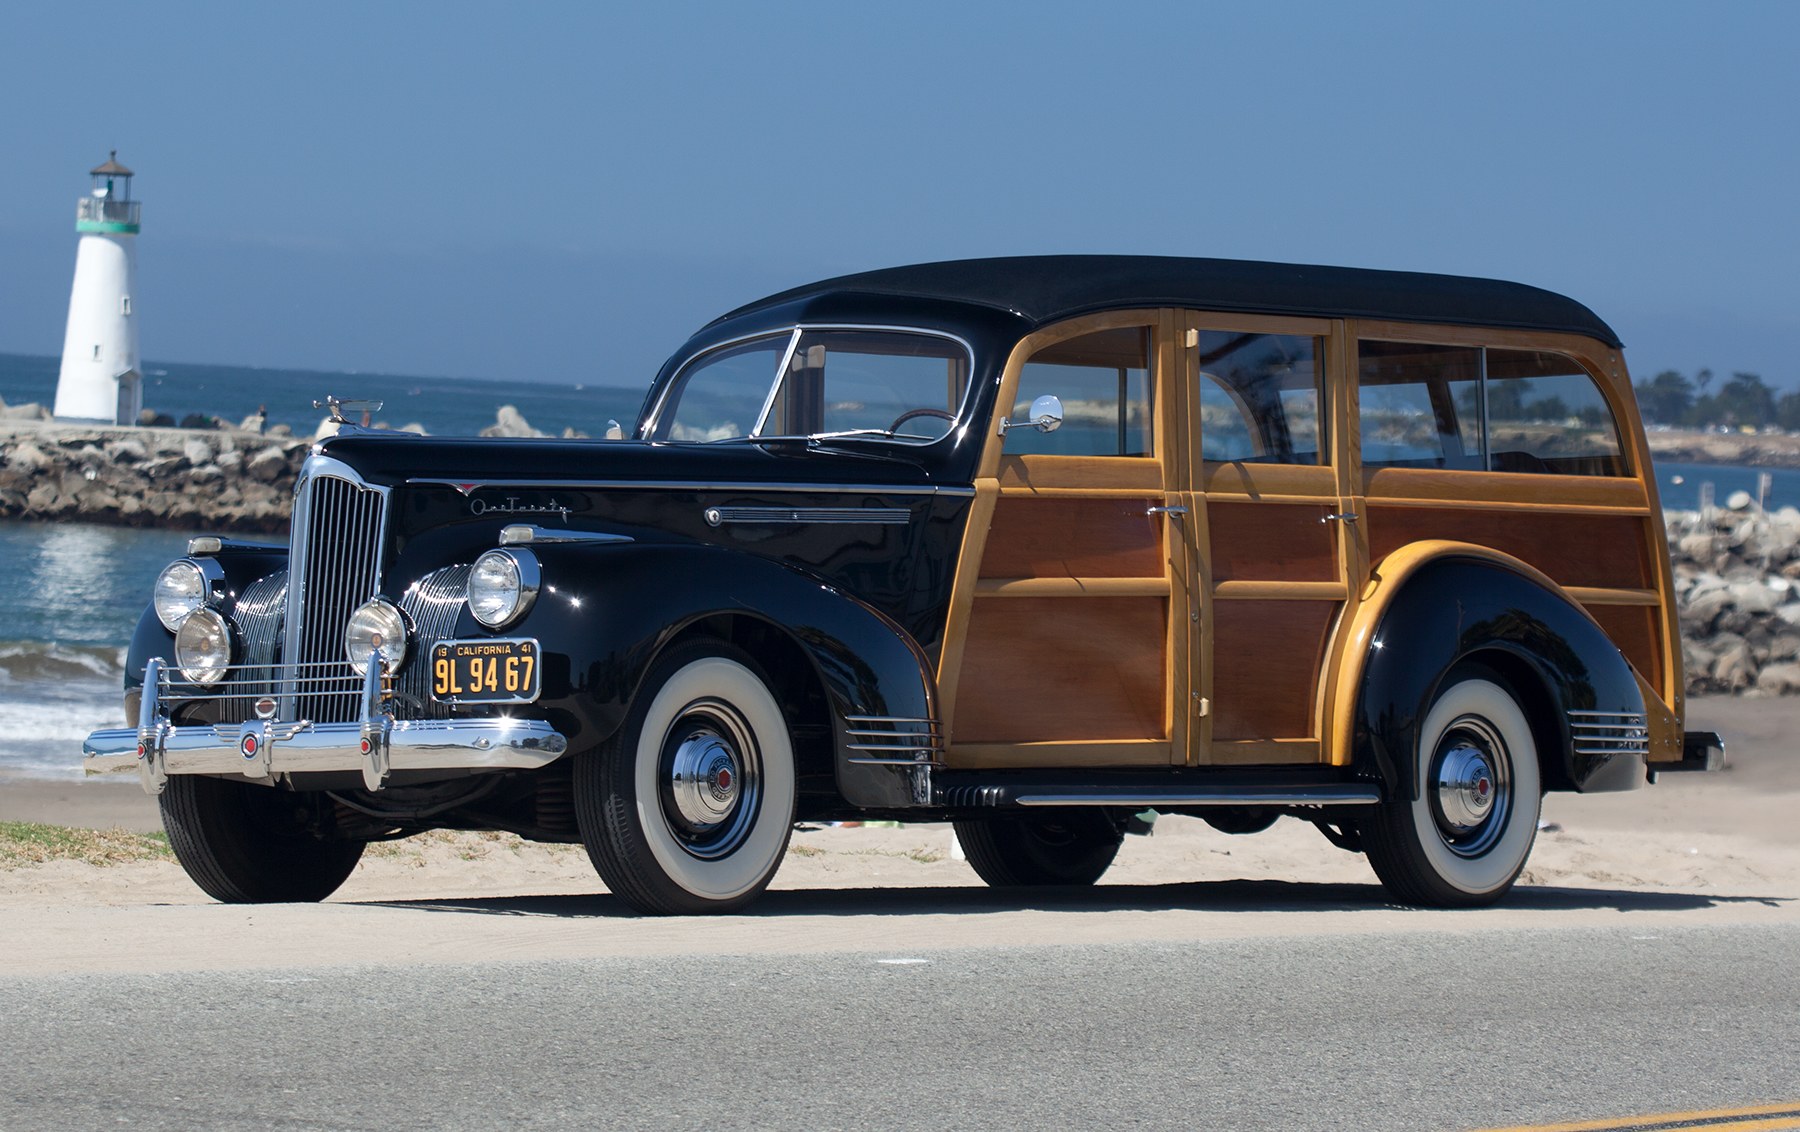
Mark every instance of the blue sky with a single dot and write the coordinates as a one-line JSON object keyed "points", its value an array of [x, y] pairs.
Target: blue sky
{"points": [[566, 191]]}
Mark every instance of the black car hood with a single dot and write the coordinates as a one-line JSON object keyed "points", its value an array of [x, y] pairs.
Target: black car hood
{"points": [[395, 458]]}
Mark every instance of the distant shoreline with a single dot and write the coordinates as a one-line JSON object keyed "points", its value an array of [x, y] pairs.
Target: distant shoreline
{"points": [[1774, 450]]}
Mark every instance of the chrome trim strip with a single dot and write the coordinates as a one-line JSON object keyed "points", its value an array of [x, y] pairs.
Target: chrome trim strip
{"points": [[781, 372], [527, 534], [915, 748], [907, 763], [718, 516], [891, 719], [695, 485], [1217, 796], [1622, 715]]}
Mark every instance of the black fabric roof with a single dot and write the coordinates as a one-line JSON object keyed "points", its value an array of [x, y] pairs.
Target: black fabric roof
{"points": [[1044, 289]]}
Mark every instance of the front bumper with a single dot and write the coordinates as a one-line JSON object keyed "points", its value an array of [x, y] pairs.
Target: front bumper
{"points": [[377, 744]]}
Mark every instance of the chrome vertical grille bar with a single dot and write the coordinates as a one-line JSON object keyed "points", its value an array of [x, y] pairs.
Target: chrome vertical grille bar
{"points": [[334, 566], [433, 603]]}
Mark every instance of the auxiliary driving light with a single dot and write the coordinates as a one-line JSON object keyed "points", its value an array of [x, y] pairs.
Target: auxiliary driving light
{"points": [[377, 624]]}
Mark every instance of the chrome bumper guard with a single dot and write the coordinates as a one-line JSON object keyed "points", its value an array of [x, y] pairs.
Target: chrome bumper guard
{"points": [[377, 744]]}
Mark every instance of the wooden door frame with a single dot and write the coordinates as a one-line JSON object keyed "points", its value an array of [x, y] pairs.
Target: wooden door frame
{"points": [[1274, 483], [1087, 477]]}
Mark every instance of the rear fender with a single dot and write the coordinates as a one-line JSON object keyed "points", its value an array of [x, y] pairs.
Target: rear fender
{"points": [[1441, 606]]}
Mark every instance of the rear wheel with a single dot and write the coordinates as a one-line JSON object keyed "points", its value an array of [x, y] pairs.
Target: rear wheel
{"points": [[689, 806], [246, 844], [1464, 840], [1069, 847]]}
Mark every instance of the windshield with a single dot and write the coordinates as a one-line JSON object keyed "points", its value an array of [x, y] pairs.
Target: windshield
{"points": [[819, 383]]}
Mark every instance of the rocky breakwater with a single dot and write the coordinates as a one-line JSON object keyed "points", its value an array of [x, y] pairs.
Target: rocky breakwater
{"points": [[223, 480], [1737, 586]]}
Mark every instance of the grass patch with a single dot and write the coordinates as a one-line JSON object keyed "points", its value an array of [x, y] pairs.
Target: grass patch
{"points": [[28, 843]]}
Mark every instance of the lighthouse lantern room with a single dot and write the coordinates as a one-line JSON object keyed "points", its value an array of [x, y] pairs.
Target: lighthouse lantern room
{"points": [[101, 377]]}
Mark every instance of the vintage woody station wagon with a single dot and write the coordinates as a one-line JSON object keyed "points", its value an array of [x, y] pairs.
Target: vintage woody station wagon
{"points": [[1031, 545]]}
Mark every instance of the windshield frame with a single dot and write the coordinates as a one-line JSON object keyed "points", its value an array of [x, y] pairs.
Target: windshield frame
{"points": [[795, 333]]}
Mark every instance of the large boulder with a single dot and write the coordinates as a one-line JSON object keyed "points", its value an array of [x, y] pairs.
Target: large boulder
{"points": [[510, 422]]}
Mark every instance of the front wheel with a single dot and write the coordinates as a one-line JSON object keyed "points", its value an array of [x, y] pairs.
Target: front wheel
{"points": [[1068, 847], [688, 807], [1463, 841], [249, 844]]}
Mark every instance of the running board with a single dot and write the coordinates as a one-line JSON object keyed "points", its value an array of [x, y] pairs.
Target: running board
{"points": [[972, 791]]}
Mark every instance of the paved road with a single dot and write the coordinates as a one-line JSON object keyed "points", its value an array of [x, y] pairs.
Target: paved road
{"points": [[1419, 1029]]}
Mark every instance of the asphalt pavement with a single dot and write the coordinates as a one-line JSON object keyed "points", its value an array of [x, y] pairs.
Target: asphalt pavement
{"points": [[1414, 1030]]}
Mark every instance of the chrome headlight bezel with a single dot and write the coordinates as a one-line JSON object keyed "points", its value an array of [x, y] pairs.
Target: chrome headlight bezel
{"points": [[377, 623], [502, 586], [185, 585], [204, 644]]}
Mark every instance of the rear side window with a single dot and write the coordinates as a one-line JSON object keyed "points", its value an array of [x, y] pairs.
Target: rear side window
{"points": [[1430, 406], [1259, 397], [1103, 381], [1545, 414]]}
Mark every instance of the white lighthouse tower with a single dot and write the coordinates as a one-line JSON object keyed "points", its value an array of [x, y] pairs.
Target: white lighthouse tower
{"points": [[101, 379]]}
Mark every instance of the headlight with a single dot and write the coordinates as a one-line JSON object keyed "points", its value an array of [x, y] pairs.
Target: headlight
{"points": [[184, 586], [378, 624], [203, 647], [502, 586]]}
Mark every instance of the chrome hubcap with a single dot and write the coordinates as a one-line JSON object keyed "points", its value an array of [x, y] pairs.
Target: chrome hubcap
{"points": [[1471, 786], [704, 779], [710, 779]]}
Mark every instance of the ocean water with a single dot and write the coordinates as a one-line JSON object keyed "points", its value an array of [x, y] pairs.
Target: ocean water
{"points": [[71, 593], [446, 406]]}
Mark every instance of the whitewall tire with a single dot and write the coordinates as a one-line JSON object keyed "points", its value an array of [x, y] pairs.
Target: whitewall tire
{"points": [[689, 807], [1464, 839]]}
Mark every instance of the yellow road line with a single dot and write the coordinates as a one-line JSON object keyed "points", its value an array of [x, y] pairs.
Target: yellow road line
{"points": [[1762, 1118]]}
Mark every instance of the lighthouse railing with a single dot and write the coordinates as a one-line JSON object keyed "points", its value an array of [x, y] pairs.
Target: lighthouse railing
{"points": [[109, 211]]}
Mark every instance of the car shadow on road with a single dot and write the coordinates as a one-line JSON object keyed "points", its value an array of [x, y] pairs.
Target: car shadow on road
{"points": [[1196, 896]]}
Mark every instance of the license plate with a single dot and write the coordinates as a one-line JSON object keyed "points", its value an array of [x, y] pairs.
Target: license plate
{"points": [[485, 672]]}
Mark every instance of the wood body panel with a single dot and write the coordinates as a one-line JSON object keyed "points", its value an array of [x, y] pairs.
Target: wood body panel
{"points": [[1272, 542], [1635, 630], [1266, 663], [1607, 551], [1074, 538], [1037, 669]]}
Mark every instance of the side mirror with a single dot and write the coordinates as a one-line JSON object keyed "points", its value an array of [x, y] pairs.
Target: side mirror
{"points": [[1046, 416], [613, 430]]}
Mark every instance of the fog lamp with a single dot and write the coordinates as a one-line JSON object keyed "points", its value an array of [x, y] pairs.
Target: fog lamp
{"points": [[377, 624], [203, 647]]}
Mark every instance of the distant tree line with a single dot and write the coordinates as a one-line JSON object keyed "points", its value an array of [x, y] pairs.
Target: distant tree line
{"points": [[1672, 398]]}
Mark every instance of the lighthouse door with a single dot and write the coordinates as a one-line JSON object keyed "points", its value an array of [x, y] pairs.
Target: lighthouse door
{"points": [[131, 398]]}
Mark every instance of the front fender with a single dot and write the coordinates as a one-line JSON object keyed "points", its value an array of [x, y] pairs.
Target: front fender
{"points": [[1458, 607], [605, 611]]}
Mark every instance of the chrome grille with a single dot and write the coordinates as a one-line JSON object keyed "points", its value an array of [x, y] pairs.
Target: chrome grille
{"points": [[1609, 733], [334, 566], [433, 604], [258, 614]]}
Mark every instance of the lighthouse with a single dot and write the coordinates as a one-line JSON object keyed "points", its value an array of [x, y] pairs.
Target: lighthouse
{"points": [[101, 379]]}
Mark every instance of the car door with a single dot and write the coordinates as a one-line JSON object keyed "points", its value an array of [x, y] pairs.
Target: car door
{"points": [[1275, 517], [1071, 634]]}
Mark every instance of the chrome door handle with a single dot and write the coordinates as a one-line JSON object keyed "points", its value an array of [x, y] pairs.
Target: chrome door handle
{"points": [[1173, 510], [1339, 516]]}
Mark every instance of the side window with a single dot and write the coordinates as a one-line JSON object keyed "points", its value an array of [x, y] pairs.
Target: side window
{"points": [[870, 380], [1103, 381], [1259, 397], [1425, 406], [1420, 405], [1545, 414]]}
